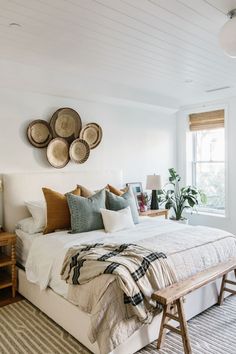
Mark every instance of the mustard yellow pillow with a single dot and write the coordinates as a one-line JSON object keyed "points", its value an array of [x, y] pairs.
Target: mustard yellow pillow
{"points": [[85, 192], [115, 190], [58, 213]]}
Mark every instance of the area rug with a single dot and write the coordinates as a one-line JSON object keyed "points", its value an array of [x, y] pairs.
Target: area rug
{"points": [[26, 330]]}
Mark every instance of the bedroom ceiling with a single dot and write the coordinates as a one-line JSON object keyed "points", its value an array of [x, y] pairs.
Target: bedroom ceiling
{"points": [[157, 48]]}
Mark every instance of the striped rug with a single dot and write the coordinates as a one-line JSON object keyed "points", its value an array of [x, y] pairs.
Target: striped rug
{"points": [[26, 330]]}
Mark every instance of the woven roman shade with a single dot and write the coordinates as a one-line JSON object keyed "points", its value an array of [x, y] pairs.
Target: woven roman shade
{"points": [[207, 120]]}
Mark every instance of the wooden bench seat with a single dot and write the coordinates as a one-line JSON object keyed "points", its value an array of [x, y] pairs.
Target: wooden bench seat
{"points": [[172, 299]]}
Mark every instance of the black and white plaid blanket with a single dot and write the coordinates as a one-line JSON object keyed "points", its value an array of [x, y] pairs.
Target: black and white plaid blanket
{"points": [[139, 271]]}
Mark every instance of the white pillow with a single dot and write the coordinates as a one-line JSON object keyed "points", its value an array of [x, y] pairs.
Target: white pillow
{"points": [[28, 225], [117, 220], [38, 211]]}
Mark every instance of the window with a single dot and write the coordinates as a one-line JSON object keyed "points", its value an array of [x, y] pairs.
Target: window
{"points": [[208, 164]]}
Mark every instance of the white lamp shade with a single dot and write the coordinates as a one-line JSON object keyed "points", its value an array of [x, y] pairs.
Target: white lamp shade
{"points": [[227, 37], [153, 182]]}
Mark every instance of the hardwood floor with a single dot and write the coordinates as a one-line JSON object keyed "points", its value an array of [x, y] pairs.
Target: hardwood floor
{"points": [[6, 297]]}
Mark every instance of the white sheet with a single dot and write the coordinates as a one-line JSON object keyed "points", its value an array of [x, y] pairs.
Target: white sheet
{"points": [[23, 244]]}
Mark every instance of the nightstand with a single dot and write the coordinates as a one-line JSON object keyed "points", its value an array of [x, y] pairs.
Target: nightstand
{"points": [[8, 262], [154, 213]]}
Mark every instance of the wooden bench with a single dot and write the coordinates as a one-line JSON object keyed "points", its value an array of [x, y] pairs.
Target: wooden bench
{"points": [[172, 299]]}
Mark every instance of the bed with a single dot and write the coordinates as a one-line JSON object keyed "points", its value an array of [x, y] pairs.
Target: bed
{"points": [[178, 241]]}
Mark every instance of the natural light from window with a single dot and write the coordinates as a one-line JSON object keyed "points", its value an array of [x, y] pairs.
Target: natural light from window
{"points": [[208, 168]]}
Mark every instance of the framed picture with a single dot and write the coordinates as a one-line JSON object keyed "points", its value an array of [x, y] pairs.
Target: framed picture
{"points": [[137, 189]]}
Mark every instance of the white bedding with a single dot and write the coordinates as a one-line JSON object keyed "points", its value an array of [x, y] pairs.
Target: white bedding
{"points": [[23, 244], [189, 249], [47, 253]]}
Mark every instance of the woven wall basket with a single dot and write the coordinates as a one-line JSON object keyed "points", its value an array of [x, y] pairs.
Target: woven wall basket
{"points": [[92, 133], [79, 151], [58, 153], [39, 133], [66, 123]]}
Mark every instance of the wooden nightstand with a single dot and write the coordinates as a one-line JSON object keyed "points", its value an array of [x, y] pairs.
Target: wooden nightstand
{"points": [[153, 213], [8, 275]]}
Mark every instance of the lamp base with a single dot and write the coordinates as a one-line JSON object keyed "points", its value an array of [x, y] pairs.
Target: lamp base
{"points": [[154, 201]]}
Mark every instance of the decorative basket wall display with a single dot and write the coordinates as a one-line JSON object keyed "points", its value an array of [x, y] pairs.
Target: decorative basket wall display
{"points": [[64, 137]]}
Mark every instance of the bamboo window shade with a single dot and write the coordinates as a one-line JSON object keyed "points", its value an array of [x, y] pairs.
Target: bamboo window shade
{"points": [[207, 120]]}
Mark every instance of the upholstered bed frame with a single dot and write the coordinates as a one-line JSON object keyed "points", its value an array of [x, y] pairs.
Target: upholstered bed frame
{"points": [[17, 188]]}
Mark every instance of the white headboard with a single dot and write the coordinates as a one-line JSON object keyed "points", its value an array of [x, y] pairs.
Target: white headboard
{"points": [[20, 187]]}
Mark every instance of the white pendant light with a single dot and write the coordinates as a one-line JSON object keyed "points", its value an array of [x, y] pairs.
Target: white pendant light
{"points": [[227, 36]]}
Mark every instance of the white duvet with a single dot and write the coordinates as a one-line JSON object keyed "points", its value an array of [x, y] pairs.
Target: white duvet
{"points": [[190, 249], [47, 252]]}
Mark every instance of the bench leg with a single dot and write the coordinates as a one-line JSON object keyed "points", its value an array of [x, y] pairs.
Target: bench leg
{"points": [[179, 316], [183, 327], [164, 321], [221, 296], [225, 288]]}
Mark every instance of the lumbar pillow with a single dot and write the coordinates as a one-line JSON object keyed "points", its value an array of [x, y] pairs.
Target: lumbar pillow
{"points": [[85, 212], [115, 203], [85, 192], [38, 211], [117, 220], [58, 214]]}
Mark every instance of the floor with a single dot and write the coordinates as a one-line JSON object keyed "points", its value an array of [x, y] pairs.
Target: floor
{"points": [[25, 329], [6, 297]]}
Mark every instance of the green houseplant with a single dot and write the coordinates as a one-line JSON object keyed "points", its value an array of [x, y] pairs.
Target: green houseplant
{"points": [[179, 199]]}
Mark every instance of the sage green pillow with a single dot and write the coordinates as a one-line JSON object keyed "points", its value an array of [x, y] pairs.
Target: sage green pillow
{"points": [[115, 202], [85, 212]]}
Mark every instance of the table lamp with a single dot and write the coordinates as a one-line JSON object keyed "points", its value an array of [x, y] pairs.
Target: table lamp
{"points": [[153, 183]]}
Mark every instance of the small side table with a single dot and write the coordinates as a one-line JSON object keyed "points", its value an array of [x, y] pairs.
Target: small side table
{"points": [[8, 278], [155, 213]]}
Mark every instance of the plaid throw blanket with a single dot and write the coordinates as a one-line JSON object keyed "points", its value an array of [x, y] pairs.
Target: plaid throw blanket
{"points": [[139, 272]]}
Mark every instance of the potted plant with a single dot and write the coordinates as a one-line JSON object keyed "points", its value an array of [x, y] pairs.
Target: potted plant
{"points": [[178, 199]]}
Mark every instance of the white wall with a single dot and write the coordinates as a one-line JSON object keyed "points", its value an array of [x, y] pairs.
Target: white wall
{"points": [[135, 140], [229, 221]]}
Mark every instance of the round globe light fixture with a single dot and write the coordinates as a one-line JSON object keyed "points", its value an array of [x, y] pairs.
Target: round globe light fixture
{"points": [[227, 36]]}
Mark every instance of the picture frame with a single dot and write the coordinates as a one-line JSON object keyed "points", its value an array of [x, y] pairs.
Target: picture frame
{"points": [[137, 189]]}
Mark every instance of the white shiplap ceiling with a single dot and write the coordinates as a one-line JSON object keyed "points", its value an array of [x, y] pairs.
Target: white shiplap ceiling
{"points": [[167, 47]]}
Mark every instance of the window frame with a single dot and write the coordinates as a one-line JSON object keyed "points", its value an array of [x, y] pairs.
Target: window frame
{"points": [[189, 165], [194, 174]]}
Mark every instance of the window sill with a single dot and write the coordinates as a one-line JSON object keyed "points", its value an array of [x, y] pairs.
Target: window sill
{"points": [[207, 213]]}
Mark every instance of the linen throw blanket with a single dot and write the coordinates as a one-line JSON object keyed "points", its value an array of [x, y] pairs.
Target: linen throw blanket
{"points": [[139, 272]]}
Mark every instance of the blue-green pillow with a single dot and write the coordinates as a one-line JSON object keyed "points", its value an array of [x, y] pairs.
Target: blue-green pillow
{"points": [[115, 202], [85, 212]]}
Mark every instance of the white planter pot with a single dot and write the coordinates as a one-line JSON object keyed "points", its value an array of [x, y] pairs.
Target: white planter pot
{"points": [[181, 221]]}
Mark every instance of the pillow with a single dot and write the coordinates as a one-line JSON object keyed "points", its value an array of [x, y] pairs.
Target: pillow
{"points": [[115, 203], [38, 211], [85, 212], [117, 220], [28, 225], [114, 190], [58, 214], [84, 192]]}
